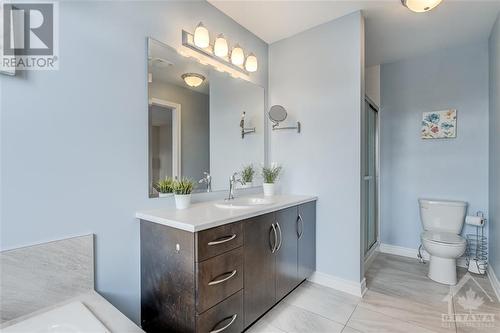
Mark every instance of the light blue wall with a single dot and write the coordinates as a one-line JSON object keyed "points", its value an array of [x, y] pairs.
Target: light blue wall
{"points": [[494, 179], [317, 76], [74, 141], [412, 168]]}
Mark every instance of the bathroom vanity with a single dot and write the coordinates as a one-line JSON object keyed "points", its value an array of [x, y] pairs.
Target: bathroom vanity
{"points": [[218, 267]]}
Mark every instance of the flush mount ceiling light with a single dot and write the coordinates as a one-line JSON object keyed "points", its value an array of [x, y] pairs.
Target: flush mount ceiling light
{"points": [[251, 63], [201, 36], [220, 47], [421, 6], [193, 79], [237, 56]]}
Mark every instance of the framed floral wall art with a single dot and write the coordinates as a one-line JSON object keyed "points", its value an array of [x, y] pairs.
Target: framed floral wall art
{"points": [[439, 124]]}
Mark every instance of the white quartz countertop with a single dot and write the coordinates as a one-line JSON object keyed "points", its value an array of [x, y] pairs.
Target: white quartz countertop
{"points": [[206, 215], [105, 312]]}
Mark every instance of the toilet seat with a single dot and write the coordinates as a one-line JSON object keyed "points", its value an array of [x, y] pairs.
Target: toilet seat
{"points": [[443, 238]]}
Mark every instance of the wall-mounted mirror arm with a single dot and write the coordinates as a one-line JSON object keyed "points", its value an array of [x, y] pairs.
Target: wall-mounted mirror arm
{"points": [[245, 130], [278, 114], [276, 127]]}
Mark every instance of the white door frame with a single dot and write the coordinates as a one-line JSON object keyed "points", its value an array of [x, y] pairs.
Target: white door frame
{"points": [[176, 132]]}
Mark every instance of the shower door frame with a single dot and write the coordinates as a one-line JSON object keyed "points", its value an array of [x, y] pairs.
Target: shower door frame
{"points": [[370, 248]]}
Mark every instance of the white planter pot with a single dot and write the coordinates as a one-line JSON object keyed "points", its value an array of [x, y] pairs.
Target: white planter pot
{"points": [[182, 201], [246, 185], [164, 195], [268, 189]]}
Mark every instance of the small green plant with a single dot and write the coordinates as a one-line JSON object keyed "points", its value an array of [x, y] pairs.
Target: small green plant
{"points": [[247, 174], [271, 174], [183, 186], [165, 185]]}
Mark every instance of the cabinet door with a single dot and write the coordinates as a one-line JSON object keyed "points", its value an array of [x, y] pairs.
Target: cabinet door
{"points": [[286, 252], [306, 232], [259, 266]]}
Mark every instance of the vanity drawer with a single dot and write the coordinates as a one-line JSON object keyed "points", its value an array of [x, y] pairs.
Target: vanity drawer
{"points": [[218, 278], [225, 317], [212, 242]]}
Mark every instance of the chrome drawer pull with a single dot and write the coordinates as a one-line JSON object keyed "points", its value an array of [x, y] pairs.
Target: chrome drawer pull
{"points": [[214, 282], [299, 235], [281, 237], [222, 240], [273, 245], [233, 318]]}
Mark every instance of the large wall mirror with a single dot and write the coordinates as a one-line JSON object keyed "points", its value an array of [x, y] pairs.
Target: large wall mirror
{"points": [[195, 114]]}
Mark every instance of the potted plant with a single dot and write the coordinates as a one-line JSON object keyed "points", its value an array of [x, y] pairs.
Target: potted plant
{"points": [[182, 192], [165, 187], [247, 176], [270, 175]]}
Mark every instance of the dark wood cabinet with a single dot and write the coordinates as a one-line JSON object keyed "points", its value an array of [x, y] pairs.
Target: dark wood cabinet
{"points": [[224, 278], [286, 252], [260, 240], [306, 231]]}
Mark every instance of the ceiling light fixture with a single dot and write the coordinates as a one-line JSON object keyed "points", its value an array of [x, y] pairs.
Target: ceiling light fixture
{"points": [[220, 47], [420, 6], [201, 36], [193, 79]]}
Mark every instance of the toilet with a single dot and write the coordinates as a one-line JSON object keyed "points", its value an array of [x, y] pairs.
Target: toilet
{"points": [[442, 221]]}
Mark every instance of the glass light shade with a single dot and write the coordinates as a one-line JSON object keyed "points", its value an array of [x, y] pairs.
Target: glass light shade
{"points": [[193, 79], [220, 47], [421, 6], [201, 36], [237, 56], [251, 63]]}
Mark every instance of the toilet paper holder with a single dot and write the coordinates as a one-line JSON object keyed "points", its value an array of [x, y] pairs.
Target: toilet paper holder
{"points": [[477, 247]]}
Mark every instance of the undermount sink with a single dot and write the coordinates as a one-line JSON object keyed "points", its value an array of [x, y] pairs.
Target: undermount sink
{"points": [[242, 203]]}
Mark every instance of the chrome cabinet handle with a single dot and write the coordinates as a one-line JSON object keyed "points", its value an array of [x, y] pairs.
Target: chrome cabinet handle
{"points": [[273, 245], [281, 237], [222, 240], [299, 234], [214, 282], [233, 318]]}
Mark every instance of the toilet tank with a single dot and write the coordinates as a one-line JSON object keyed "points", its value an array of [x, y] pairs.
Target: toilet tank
{"points": [[442, 215]]}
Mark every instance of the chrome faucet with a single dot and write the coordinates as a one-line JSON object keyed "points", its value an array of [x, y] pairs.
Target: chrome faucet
{"points": [[207, 179], [232, 182]]}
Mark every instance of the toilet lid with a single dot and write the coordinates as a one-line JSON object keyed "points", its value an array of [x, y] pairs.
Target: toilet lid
{"points": [[443, 237]]}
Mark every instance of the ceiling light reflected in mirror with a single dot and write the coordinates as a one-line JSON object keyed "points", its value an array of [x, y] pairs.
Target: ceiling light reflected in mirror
{"points": [[420, 6], [193, 79]]}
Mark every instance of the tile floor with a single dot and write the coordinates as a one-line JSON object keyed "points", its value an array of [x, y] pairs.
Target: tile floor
{"points": [[400, 298]]}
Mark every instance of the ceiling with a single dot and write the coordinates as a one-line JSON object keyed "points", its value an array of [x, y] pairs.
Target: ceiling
{"points": [[392, 31]]}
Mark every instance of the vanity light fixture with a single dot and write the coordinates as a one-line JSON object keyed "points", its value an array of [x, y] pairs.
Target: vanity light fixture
{"points": [[237, 55], [420, 6], [251, 63], [201, 36], [193, 79], [220, 47], [218, 53]]}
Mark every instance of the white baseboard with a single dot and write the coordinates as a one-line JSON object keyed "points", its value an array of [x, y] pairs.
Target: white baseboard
{"points": [[350, 287], [494, 281], [411, 253]]}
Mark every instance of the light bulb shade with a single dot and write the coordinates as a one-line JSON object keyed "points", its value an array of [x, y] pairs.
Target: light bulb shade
{"points": [[237, 56], [220, 47], [193, 79], [201, 36], [421, 6], [251, 63]]}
